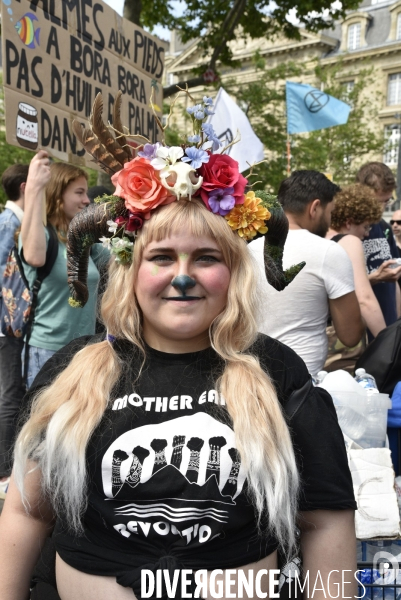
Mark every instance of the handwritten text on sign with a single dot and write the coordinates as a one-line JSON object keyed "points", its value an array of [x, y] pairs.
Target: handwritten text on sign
{"points": [[58, 55]]}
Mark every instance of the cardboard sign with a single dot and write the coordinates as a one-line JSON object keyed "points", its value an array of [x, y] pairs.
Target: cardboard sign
{"points": [[57, 55]]}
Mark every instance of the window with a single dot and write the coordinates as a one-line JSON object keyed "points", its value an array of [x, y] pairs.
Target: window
{"points": [[392, 135], [394, 89], [354, 36], [348, 86], [398, 33]]}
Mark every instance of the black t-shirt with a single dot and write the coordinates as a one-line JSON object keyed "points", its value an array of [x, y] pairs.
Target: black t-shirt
{"points": [[378, 247], [166, 484]]}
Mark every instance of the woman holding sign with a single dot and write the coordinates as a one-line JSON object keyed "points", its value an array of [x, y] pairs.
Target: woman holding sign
{"points": [[60, 192], [181, 441]]}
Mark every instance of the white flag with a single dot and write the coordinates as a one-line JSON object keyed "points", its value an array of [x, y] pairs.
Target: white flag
{"points": [[227, 119]]}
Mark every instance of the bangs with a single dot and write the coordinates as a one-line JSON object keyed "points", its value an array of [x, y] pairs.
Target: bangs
{"points": [[192, 217]]}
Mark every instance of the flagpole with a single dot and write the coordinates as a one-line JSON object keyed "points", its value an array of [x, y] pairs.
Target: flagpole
{"points": [[288, 155]]}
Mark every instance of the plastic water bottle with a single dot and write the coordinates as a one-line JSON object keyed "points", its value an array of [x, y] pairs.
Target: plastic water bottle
{"points": [[368, 382]]}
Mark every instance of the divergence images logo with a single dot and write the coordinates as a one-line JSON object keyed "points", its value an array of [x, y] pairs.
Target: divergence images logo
{"points": [[315, 101]]}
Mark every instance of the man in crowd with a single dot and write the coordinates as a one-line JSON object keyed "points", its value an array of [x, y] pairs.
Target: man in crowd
{"points": [[379, 246], [395, 223], [11, 387], [298, 315]]}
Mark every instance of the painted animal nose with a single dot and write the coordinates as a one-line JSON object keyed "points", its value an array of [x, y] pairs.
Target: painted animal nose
{"points": [[183, 283]]}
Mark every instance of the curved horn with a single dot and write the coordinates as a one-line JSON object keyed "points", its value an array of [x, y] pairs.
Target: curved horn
{"points": [[86, 228], [274, 244]]}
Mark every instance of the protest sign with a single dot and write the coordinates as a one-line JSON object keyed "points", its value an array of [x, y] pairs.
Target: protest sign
{"points": [[57, 55]]}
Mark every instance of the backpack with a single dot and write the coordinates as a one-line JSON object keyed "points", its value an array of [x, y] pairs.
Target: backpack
{"points": [[17, 310], [382, 358]]}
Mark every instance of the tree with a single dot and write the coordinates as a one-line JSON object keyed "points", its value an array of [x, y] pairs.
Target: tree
{"points": [[338, 150], [217, 22]]}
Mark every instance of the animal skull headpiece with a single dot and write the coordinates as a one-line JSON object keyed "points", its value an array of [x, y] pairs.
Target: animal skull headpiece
{"points": [[184, 181], [157, 175]]}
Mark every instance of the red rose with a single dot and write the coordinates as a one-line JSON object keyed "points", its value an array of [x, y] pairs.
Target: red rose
{"points": [[219, 173], [135, 222], [132, 222], [140, 186]]}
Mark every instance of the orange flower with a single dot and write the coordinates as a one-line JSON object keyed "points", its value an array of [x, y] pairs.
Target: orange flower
{"points": [[140, 186], [249, 218]]}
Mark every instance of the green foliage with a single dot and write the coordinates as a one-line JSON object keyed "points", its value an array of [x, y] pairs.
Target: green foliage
{"points": [[341, 150], [265, 102], [172, 136], [269, 201], [216, 22], [338, 150]]}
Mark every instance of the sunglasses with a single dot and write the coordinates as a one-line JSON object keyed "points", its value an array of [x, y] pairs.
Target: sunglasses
{"points": [[396, 221]]}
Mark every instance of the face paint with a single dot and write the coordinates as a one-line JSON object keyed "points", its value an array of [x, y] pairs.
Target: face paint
{"points": [[155, 270], [183, 255]]}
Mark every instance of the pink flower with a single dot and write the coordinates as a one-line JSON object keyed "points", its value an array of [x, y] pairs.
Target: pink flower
{"points": [[219, 173], [139, 184]]}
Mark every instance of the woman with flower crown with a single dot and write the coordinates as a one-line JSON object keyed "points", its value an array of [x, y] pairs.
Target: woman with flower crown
{"points": [[182, 441]]}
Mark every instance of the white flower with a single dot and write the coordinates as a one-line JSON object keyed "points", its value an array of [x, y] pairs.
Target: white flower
{"points": [[106, 242], [166, 157], [121, 243], [112, 226]]}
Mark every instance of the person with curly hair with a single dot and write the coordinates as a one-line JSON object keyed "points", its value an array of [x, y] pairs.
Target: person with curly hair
{"points": [[356, 209], [379, 246]]}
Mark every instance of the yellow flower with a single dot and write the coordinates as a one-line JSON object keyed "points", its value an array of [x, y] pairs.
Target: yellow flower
{"points": [[249, 218]]}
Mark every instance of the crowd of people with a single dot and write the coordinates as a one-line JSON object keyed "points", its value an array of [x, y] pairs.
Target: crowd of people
{"points": [[195, 345]]}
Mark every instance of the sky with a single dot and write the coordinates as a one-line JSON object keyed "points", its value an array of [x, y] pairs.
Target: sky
{"points": [[118, 6], [164, 33]]}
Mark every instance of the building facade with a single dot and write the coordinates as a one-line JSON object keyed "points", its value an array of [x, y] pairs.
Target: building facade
{"points": [[367, 37]]}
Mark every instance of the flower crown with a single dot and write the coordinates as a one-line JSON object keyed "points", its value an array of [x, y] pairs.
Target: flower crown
{"points": [[160, 174], [154, 175]]}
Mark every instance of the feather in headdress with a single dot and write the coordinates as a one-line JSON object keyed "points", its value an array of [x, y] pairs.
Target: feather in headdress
{"points": [[103, 133], [96, 149], [118, 126]]}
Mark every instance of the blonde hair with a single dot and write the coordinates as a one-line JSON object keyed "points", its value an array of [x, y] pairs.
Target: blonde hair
{"points": [[65, 414], [61, 176]]}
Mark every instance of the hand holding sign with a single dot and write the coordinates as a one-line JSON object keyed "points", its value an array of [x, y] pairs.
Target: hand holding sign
{"points": [[39, 176]]}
